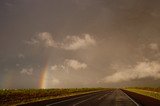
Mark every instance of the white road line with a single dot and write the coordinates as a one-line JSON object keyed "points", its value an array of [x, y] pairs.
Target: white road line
{"points": [[67, 100], [131, 99], [84, 100], [102, 96]]}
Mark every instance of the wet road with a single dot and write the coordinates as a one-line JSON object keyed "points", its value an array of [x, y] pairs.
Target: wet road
{"points": [[105, 98]]}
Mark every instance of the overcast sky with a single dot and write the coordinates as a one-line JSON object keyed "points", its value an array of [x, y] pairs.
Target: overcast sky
{"points": [[79, 43]]}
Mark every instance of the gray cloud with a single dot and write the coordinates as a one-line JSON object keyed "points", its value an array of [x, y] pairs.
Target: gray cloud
{"points": [[21, 56], [147, 68], [69, 43], [57, 68], [76, 42], [27, 71], [75, 64], [44, 38], [69, 64], [154, 46], [59, 74], [140, 70]]}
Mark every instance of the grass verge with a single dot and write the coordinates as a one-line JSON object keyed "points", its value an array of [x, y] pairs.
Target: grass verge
{"points": [[21, 96], [150, 93]]}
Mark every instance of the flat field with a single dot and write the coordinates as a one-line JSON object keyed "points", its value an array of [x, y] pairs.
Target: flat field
{"points": [[22, 96], [147, 91]]}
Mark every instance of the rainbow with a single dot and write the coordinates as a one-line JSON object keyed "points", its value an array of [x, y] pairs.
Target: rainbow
{"points": [[44, 76], [8, 78]]}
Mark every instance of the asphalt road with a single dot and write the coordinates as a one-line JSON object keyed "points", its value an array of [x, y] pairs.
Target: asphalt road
{"points": [[105, 98]]}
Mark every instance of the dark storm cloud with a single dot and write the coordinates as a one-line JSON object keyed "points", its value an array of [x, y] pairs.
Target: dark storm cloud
{"points": [[119, 36]]}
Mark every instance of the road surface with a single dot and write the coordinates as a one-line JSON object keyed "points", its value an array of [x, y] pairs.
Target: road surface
{"points": [[103, 98]]}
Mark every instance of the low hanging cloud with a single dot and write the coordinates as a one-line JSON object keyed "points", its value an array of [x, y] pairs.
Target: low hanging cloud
{"points": [[75, 64], [27, 71], [21, 56], [69, 64], [51, 81], [47, 39], [155, 14], [76, 42], [55, 81], [69, 43], [44, 38], [139, 71], [58, 68], [154, 46]]}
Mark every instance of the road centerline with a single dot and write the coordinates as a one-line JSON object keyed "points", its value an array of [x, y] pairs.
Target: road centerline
{"points": [[102, 96], [84, 100]]}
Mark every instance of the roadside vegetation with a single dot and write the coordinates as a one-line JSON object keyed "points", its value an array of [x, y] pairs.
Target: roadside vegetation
{"points": [[147, 91], [22, 96]]}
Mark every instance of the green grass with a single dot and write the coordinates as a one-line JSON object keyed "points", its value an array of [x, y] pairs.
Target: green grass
{"points": [[22, 96], [147, 91]]}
